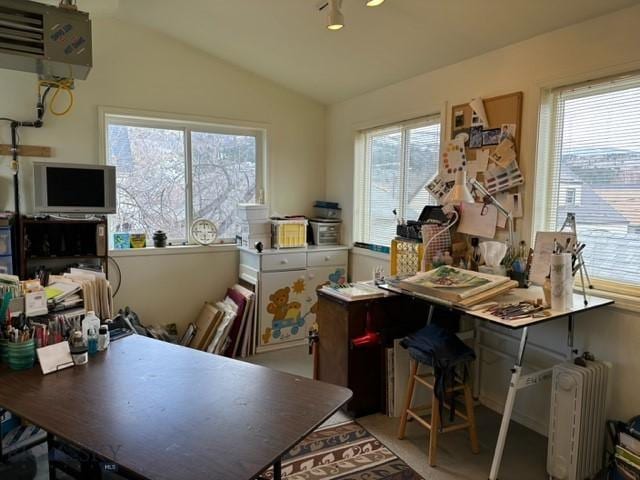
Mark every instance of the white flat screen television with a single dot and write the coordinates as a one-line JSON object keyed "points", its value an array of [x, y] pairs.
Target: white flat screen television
{"points": [[74, 188]]}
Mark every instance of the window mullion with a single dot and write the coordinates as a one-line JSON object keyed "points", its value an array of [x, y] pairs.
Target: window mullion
{"points": [[404, 156], [188, 172]]}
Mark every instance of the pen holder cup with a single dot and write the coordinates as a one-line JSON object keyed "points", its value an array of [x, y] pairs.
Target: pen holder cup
{"points": [[4, 354], [521, 277], [21, 356]]}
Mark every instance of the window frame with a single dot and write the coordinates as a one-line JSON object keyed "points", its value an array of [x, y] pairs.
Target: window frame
{"points": [[189, 124], [361, 217], [546, 167]]}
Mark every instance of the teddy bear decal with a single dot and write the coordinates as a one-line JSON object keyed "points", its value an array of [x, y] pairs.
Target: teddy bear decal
{"points": [[287, 316]]}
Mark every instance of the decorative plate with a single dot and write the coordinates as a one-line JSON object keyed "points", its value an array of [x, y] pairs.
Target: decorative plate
{"points": [[204, 231]]}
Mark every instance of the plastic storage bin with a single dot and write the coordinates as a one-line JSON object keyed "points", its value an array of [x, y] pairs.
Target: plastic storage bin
{"points": [[289, 233], [325, 233], [327, 212], [5, 241]]}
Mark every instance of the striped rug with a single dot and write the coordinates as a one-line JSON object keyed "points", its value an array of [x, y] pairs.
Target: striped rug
{"points": [[344, 451]]}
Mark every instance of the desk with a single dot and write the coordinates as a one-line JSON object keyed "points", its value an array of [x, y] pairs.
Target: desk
{"points": [[161, 411], [518, 381]]}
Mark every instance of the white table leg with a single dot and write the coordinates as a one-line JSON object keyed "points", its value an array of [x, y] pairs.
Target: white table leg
{"points": [[508, 408]]}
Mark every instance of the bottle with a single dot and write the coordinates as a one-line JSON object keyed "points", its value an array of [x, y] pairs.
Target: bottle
{"points": [[89, 321], [103, 338], [447, 258], [78, 349], [92, 341]]}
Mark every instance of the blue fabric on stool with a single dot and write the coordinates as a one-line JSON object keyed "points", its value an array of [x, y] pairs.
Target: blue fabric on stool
{"points": [[442, 350]]}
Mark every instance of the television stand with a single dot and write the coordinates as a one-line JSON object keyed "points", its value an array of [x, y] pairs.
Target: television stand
{"points": [[57, 243]]}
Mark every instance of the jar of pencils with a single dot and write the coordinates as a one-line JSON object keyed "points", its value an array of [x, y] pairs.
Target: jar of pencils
{"points": [[21, 355]]}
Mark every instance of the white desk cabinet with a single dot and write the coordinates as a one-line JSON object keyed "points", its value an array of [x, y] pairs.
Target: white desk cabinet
{"points": [[286, 281]]}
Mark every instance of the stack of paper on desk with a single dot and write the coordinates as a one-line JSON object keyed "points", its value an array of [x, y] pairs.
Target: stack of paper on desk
{"points": [[458, 286]]}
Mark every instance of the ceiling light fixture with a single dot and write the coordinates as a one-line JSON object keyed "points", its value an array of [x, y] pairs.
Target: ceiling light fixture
{"points": [[335, 18], [373, 3]]}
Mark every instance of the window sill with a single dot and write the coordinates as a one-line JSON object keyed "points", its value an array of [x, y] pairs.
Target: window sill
{"points": [[370, 253], [173, 250], [622, 301]]}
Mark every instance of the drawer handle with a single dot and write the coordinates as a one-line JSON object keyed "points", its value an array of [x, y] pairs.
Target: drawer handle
{"points": [[327, 258], [284, 261]]}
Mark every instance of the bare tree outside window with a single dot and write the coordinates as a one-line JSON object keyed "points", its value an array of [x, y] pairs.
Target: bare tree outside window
{"points": [[156, 177]]}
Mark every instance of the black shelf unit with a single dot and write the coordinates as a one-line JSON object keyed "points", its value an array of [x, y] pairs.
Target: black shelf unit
{"points": [[58, 244]]}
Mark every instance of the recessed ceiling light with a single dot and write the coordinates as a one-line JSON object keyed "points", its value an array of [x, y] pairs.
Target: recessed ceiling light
{"points": [[335, 19], [373, 3]]}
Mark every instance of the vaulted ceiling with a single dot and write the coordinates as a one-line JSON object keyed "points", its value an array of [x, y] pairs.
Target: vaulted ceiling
{"points": [[286, 40]]}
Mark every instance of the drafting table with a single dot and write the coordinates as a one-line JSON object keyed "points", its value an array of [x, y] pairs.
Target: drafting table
{"points": [[161, 411], [518, 380]]}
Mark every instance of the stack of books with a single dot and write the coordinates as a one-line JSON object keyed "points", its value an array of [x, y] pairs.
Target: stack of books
{"points": [[463, 288], [628, 457], [354, 291]]}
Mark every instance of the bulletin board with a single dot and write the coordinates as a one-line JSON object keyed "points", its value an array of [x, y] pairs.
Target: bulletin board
{"points": [[501, 110]]}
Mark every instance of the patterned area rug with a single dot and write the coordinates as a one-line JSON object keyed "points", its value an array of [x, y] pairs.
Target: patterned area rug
{"points": [[343, 452]]}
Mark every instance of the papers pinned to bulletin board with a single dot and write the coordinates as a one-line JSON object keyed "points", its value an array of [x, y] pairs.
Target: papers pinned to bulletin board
{"points": [[478, 220], [491, 129]]}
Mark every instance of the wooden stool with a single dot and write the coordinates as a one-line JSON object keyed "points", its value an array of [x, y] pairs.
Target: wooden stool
{"points": [[434, 426]]}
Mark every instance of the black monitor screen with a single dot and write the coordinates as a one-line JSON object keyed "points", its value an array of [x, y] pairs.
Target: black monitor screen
{"points": [[75, 187]]}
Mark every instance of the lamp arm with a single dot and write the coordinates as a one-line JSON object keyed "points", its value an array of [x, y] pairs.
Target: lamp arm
{"points": [[475, 185]]}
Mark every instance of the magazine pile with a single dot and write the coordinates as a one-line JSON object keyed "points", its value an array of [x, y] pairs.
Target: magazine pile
{"points": [[463, 288]]}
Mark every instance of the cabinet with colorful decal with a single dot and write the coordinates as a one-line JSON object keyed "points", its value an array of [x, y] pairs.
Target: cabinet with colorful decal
{"points": [[287, 289]]}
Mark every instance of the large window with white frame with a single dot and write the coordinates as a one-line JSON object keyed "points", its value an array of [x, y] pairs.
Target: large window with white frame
{"points": [[589, 164], [398, 162], [171, 172]]}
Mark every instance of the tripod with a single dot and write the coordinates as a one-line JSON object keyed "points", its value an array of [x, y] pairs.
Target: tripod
{"points": [[570, 222]]}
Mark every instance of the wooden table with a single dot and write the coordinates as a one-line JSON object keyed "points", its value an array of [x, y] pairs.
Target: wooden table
{"points": [[161, 411]]}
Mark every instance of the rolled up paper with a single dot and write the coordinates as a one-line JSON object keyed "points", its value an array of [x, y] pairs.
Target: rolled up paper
{"points": [[561, 282]]}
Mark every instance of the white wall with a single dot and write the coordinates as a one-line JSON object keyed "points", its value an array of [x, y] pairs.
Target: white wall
{"points": [[140, 69], [580, 52]]}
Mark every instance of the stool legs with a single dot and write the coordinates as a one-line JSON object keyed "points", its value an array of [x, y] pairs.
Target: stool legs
{"points": [[435, 423], [411, 384], [434, 430], [471, 418]]}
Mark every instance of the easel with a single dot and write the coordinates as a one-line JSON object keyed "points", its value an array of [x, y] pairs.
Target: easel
{"points": [[570, 222]]}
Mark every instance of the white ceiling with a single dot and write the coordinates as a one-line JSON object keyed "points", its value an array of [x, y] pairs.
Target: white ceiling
{"points": [[286, 40]]}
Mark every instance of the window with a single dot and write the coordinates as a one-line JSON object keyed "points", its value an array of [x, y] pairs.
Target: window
{"points": [[570, 196], [399, 160], [590, 165], [169, 173]]}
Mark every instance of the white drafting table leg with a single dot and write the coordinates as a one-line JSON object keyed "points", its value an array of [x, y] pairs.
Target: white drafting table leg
{"points": [[476, 366], [508, 408], [570, 328]]}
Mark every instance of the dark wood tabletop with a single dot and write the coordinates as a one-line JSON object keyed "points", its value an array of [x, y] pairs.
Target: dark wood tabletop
{"points": [[164, 412]]}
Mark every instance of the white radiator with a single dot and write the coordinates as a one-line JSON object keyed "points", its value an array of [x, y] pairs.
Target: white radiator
{"points": [[577, 420]]}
